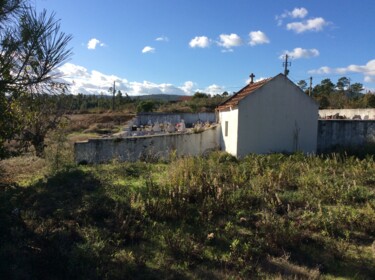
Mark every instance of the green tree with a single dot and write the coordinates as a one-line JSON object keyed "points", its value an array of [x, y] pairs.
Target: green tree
{"points": [[146, 106], [302, 85], [119, 99], [369, 100], [323, 102], [42, 113], [356, 88], [327, 87], [343, 83], [32, 47], [198, 95]]}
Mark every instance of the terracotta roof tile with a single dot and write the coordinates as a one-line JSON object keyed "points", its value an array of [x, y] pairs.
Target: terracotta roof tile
{"points": [[241, 94]]}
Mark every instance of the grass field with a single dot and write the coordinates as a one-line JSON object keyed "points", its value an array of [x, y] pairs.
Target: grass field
{"points": [[272, 217]]}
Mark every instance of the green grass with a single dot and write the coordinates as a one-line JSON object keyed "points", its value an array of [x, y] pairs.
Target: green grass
{"points": [[275, 217]]}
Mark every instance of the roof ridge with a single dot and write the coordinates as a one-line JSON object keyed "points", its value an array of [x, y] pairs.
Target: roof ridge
{"points": [[242, 93]]}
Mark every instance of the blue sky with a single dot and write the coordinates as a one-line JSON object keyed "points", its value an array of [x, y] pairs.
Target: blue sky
{"points": [[182, 46]]}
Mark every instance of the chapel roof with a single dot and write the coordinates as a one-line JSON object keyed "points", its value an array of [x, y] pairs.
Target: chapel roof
{"points": [[241, 94]]}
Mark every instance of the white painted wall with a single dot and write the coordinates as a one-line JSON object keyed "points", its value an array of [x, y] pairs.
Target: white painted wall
{"points": [[229, 143], [278, 117]]}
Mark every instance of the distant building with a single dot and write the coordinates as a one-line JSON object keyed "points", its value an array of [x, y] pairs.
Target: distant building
{"points": [[273, 115]]}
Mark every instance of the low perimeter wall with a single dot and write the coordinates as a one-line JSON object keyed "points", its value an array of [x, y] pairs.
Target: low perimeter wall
{"points": [[344, 133], [146, 147], [363, 114], [331, 135], [189, 118]]}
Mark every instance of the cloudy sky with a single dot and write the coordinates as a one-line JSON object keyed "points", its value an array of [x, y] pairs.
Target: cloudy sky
{"points": [[182, 46]]}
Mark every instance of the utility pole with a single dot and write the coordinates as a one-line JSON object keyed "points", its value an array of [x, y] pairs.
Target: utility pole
{"points": [[310, 87], [113, 96], [286, 64], [349, 81]]}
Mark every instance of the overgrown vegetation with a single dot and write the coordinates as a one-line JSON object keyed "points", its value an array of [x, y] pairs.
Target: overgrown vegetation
{"points": [[215, 217]]}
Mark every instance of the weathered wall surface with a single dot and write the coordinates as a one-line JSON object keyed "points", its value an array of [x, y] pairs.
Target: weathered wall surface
{"points": [[146, 147], [331, 134], [189, 118], [344, 133], [365, 114]]}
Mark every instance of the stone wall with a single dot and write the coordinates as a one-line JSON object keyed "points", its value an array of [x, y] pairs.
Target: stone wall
{"points": [[344, 133], [146, 147]]}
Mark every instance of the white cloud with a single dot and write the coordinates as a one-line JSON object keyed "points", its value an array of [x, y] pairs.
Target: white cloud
{"points": [[214, 89], [162, 39], [149, 88], [258, 38], [315, 24], [301, 53], [200, 42], [369, 79], [188, 87], [83, 81], [94, 82], [230, 40], [148, 49], [296, 13], [321, 71], [299, 13], [93, 43], [368, 70], [256, 80]]}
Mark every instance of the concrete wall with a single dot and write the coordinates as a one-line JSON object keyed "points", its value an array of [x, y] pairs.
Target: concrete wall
{"points": [[228, 142], [146, 147], [365, 114], [331, 134], [189, 118], [278, 117], [344, 133]]}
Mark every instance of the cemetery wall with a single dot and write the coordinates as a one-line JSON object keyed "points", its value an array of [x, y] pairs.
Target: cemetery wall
{"points": [[149, 147], [333, 134]]}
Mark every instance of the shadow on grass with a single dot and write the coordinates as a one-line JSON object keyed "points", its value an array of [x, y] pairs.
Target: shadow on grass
{"points": [[68, 228], [361, 152], [330, 261]]}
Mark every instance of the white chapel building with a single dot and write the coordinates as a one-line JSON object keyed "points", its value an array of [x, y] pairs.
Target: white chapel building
{"points": [[273, 115]]}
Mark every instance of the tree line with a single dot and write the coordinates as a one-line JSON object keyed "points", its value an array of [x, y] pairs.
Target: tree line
{"points": [[340, 95]]}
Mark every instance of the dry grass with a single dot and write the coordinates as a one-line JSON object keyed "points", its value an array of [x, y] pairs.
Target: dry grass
{"points": [[79, 122], [287, 270], [22, 169], [80, 127]]}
